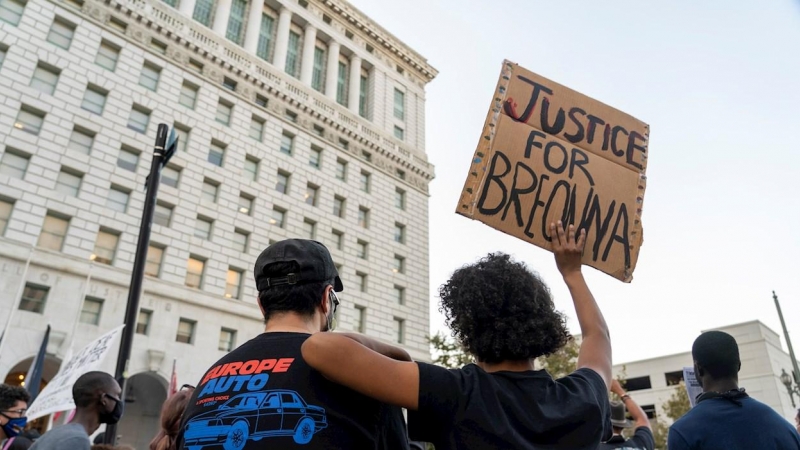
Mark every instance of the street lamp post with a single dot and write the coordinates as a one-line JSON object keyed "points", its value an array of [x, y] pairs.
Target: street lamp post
{"points": [[793, 390], [787, 379]]}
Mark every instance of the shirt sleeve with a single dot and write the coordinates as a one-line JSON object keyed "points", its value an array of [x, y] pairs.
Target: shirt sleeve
{"points": [[644, 438], [440, 395], [590, 384], [675, 441]]}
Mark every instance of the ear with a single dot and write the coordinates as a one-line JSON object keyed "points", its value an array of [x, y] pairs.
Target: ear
{"points": [[325, 299]]}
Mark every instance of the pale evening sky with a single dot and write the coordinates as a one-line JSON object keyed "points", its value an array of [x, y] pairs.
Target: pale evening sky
{"points": [[719, 84]]}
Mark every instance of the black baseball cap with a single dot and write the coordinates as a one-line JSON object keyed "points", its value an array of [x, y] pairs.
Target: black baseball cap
{"points": [[314, 264]]}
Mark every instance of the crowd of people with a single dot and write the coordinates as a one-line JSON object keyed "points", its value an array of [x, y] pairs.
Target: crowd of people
{"points": [[297, 386]]}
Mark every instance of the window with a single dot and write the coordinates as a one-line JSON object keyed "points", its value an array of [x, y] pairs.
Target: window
{"points": [[202, 11], [54, 231], [240, 239], [11, 11], [344, 143], [150, 75], [341, 84], [81, 140], [399, 104], [315, 158], [364, 181], [139, 119], [194, 64], [162, 214], [261, 101], [338, 236], [257, 128], [117, 199], [341, 170], [401, 174], [361, 319], [224, 111], [159, 46], [400, 199], [194, 272], [202, 227], [399, 294], [366, 155], [105, 247], [310, 228], [265, 38], [290, 115], [188, 96], [185, 332], [245, 204], [117, 24], [674, 378], [361, 249], [5, 215], [210, 189], [278, 217], [362, 281], [287, 142], [282, 184], [318, 72], [650, 411], [216, 153], [292, 54], [318, 130], [90, 313], [152, 265], [236, 21], [400, 330], [143, 321], [233, 283], [29, 120], [107, 55], [227, 340], [339, 206], [3, 50], [14, 164], [94, 99], [170, 176], [68, 183], [311, 194], [399, 265], [45, 78], [398, 133], [182, 133], [362, 96], [34, 296], [251, 168], [363, 217], [400, 233], [638, 383], [128, 159]]}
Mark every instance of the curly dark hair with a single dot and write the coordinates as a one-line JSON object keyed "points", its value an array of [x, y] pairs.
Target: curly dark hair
{"points": [[499, 310], [9, 395]]}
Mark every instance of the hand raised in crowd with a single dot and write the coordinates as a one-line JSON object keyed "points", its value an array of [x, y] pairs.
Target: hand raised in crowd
{"points": [[567, 249], [617, 388]]}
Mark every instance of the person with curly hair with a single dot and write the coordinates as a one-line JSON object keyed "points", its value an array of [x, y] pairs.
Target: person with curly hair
{"points": [[171, 416], [504, 315], [13, 406]]}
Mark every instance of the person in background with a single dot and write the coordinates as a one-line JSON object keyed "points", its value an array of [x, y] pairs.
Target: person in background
{"points": [[504, 315], [13, 406], [642, 438], [171, 416], [725, 417], [97, 397]]}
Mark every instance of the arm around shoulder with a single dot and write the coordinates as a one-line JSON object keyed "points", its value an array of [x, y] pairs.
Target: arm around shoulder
{"points": [[349, 363]]}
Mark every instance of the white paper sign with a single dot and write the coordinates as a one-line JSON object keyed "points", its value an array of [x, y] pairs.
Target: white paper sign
{"points": [[693, 388], [57, 395]]}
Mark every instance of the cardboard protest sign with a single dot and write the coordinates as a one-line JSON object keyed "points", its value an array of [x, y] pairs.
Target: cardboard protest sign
{"points": [[693, 388], [57, 395], [549, 153]]}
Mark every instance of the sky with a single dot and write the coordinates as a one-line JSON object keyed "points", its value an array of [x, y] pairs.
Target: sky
{"points": [[719, 84]]}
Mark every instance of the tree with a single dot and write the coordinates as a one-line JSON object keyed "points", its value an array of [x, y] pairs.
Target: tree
{"points": [[562, 362], [675, 407], [448, 353]]}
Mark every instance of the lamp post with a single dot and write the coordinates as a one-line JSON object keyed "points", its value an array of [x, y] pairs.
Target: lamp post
{"points": [[793, 390], [787, 379]]}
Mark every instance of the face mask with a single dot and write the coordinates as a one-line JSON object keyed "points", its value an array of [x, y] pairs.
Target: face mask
{"points": [[330, 318], [113, 416], [14, 426]]}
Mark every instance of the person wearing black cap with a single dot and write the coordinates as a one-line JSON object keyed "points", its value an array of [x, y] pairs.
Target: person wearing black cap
{"points": [[264, 395], [642, 438], [725, 417]]}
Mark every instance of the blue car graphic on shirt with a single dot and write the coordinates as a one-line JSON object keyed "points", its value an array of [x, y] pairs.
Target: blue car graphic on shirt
{"points": [[254, 416]]}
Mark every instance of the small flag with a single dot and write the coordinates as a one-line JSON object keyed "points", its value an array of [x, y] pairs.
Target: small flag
{"points": [[34, 378]]}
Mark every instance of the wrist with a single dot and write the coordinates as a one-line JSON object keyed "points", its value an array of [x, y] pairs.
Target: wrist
{"points": [[573, 276]]}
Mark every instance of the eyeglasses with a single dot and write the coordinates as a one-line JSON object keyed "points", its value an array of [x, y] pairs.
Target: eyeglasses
{"points": [[20, 412], [112, 397], [187, 386], [335, 301]]}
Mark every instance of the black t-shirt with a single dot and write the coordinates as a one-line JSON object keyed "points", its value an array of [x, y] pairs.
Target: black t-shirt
{"points": [[264, 395], [642, 439], [469, 408]]}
